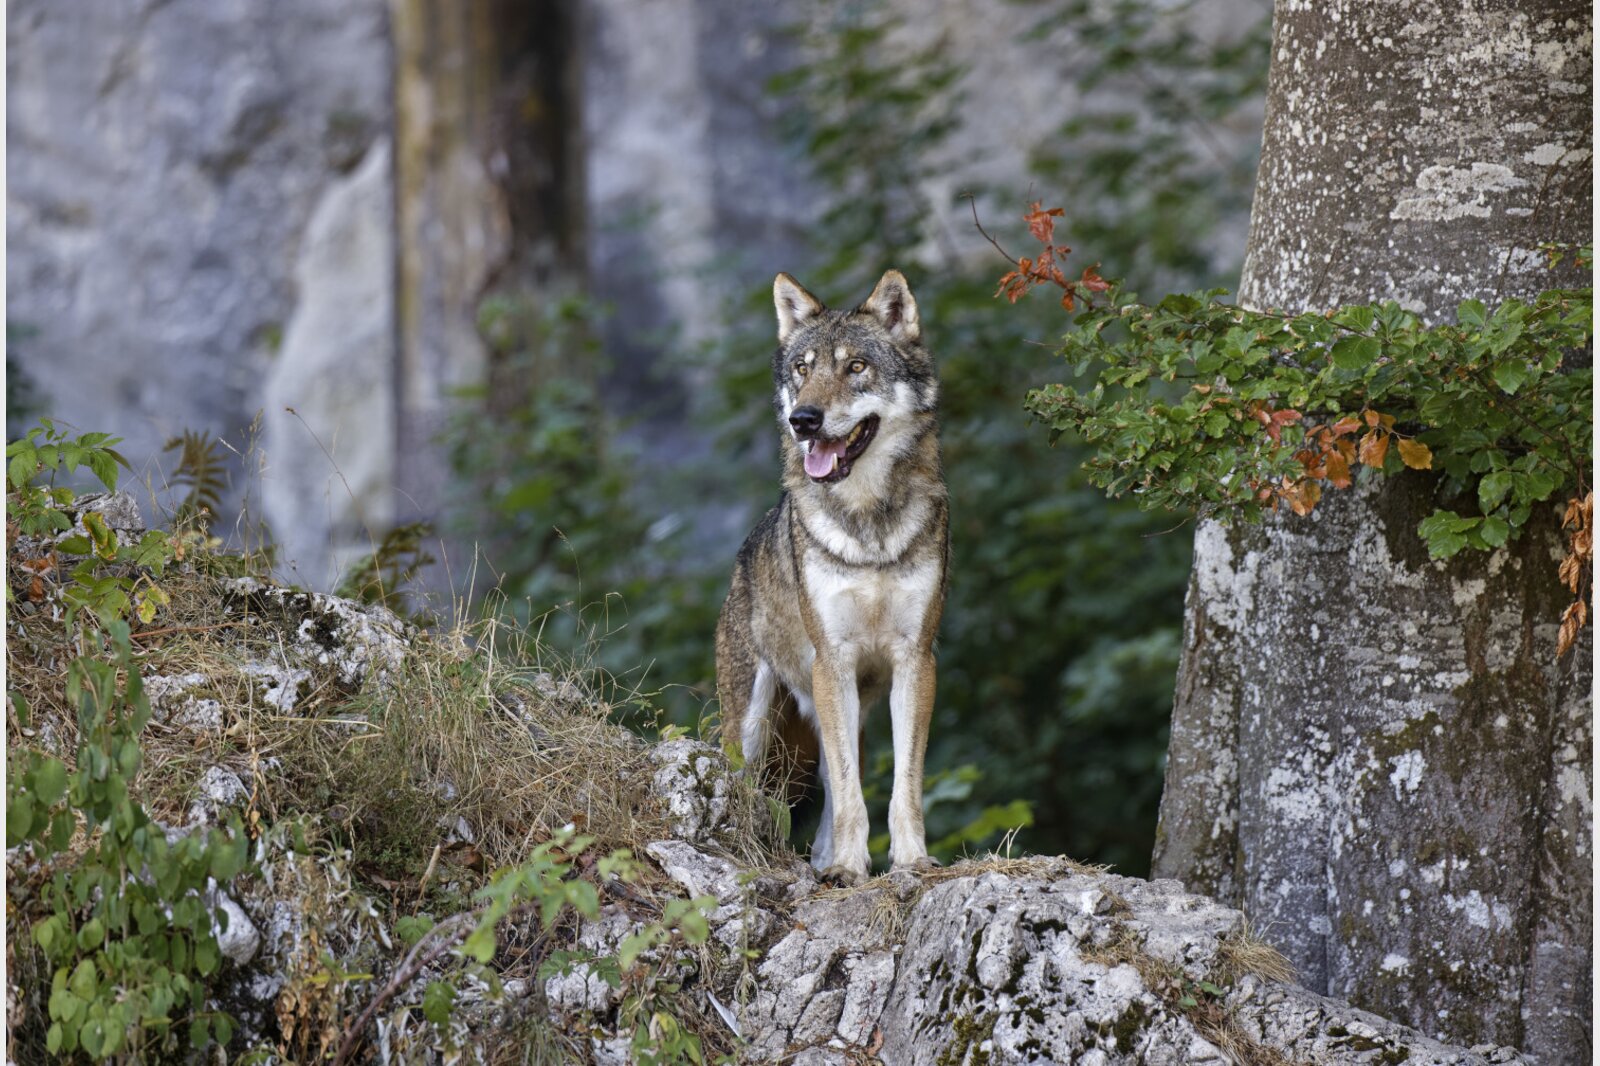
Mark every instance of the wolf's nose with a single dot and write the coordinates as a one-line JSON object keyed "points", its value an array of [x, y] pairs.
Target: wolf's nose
{"points": [[807, 421]]}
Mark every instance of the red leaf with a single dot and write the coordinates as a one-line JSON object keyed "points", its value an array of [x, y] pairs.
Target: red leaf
{"points": [[1092, 280], [1041, 223]]}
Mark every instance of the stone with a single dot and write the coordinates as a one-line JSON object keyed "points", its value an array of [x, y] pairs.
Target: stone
{"points": [[328, 401], [166, 157], [240, 940]]}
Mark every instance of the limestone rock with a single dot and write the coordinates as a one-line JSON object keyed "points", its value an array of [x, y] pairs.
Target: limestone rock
{"points": [[352, 640]]}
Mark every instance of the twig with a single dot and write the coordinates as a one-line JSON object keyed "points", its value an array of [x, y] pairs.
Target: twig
{"points": [[972, 202], [185, 629], [444, 937], [433, 861]]}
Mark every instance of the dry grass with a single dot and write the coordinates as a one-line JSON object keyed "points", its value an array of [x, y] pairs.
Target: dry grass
{"points": [[483, 729], [1237, 955], [1246, 953]]}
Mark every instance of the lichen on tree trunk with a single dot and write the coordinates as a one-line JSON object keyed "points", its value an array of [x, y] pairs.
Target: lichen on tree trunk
{"points": [[1375, 754]]}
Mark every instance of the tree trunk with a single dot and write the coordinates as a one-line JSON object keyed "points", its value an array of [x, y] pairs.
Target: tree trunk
{"points": [[1377, 756]]}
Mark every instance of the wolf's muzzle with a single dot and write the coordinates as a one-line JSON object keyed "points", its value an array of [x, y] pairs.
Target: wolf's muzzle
{"points": [[807, 421]]}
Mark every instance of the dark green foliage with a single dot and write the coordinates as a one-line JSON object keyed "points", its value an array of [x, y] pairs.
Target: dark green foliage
{"points": [[1200, 405], [1147, 166], [22, 396], [201, 475]]}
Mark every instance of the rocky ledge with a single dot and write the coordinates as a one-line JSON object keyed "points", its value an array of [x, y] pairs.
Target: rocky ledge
{"points": [[999, 960]]}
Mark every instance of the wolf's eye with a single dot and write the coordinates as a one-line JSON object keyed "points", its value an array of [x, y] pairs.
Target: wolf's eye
{"points": [[801, 369], [857, 366]]}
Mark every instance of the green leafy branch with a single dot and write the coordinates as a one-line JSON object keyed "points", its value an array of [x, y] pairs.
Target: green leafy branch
{"points": [[548, 884], [131, 932], [1201, 405]]}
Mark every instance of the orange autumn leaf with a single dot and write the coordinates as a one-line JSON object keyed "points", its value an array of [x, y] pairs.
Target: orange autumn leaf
{"points": [[1346, 425], [1092, 280], [1303, 496], [1338, 470], [1374, 447], [1572, 620], [1042, 223], [1416, 455]]}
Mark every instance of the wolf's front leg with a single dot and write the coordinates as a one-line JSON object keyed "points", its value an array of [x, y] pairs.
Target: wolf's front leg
{"points": [[833, 687], [910, 708]]}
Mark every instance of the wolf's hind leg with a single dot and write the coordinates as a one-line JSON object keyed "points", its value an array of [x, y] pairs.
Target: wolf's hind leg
{"points": [[755, 732]]}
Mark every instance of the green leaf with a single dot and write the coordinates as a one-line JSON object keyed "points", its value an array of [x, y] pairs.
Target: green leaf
{"points": [[1472, 314], [437, 1002], [19, 819], [104, 466], [49, 781], [480, 944], [635, 945], [1511, 374], [1359, 317], [207, 956], [1355, 353], [21, 468], [83, 981], [1493, 488], [412, 928], [1494, 531], [90, 934], [62, 826], [1445, 533]]}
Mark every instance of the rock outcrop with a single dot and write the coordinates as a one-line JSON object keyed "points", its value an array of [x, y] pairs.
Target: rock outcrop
{"points": [[996, 960]]}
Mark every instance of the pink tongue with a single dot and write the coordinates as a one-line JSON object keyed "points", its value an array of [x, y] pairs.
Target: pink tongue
{"points": [[819, 460]]}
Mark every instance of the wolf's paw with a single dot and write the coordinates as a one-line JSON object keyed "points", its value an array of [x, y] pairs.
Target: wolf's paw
{"points": [[843, 876], [926, 864]]}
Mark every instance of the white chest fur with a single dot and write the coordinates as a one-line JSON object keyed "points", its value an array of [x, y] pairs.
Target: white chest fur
{"points": [[867, 612]]}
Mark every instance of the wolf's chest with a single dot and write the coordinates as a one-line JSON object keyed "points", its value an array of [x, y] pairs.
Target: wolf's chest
{"points": [[872, 610]]}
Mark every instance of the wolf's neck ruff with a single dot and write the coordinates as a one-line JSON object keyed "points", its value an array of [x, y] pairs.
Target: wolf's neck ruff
{"points": [[874, 517]]}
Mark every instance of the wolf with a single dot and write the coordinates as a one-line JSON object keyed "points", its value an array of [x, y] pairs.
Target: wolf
{"points": [[836, 595]]}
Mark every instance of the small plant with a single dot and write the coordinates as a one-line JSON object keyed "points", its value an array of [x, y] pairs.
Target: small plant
{"points": [[132, 932], [35, 510], [547, 884], [201, 476], [379, 576], [113, 580]]}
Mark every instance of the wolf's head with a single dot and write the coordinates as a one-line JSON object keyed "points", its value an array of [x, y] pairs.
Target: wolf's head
{"points": [[855, 390]]}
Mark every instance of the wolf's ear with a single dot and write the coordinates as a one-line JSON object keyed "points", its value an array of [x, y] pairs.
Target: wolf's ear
{"points": [[795, 305], [892, 304]]}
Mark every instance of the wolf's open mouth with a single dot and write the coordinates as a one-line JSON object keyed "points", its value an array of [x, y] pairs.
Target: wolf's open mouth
{"points": [[830, 460]]}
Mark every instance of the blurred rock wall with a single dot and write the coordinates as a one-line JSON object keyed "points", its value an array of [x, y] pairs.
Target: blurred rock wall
{"points": [[220, 208], [165, 164]]}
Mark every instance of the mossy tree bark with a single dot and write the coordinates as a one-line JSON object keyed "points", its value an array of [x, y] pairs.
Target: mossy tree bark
{"points": [[1377, 756]]}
